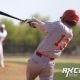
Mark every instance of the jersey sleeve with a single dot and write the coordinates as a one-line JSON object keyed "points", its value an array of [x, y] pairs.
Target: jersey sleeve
{"points": [[49, 26]]}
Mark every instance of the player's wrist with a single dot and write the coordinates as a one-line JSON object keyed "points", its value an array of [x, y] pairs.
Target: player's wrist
{"points": [[31, 23]]}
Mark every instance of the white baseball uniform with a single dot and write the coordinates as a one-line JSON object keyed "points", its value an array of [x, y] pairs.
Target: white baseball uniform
{"points": [[2, 37], [41, 63]]}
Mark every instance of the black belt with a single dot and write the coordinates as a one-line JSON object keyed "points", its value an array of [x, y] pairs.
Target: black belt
{"points": [[38, 53]]}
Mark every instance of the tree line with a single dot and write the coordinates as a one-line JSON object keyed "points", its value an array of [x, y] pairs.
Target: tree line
{"points": [[23, 38]]}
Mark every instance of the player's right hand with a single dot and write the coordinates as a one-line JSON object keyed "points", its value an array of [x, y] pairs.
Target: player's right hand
{"points": [[32, 23]]}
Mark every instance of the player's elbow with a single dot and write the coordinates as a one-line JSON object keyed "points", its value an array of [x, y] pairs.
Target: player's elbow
{"points": [[42, 29]]}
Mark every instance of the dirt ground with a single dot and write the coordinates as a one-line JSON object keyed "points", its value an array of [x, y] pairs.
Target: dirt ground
{"points": [[13, 71], [17, 71]]}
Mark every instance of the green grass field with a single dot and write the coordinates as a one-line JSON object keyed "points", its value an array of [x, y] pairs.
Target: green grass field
{"points": [[62, 76], [19, 64]]}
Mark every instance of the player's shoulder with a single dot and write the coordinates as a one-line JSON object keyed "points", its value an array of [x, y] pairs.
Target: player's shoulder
{"points": [[52, 24], [66, 29], [55, 22]]}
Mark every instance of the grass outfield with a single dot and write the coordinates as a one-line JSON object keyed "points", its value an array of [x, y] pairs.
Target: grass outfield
{"points": [[16, 66], [60, 76]]}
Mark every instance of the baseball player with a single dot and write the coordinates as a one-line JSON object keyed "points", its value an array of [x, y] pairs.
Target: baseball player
{"points": [[58, 35], [3, 34]]}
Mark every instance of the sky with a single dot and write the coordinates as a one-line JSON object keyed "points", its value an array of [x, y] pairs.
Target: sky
{"points": [[26, 8]]}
